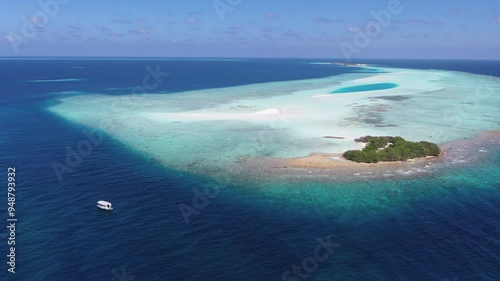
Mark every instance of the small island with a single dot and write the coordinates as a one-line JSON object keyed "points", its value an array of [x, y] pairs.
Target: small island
{"points": [[390, 149]]}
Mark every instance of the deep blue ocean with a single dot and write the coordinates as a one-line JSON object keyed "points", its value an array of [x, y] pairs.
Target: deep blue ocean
{"points": [[451, 234]]}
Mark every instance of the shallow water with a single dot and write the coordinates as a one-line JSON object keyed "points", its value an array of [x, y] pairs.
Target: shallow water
{"points": [[363, 88], [208, 132]]}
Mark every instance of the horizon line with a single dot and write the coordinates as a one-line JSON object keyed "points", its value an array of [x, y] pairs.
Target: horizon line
{"points": [[240, 58]]}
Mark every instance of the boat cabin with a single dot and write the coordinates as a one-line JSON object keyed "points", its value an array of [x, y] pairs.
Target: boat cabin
{"points": [[105, 205]]}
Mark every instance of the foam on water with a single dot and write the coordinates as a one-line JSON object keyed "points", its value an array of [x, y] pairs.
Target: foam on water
{"points": [[56, 80], [208, 132]]}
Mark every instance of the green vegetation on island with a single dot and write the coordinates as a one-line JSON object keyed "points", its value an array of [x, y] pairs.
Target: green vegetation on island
{"points": [[383, 149]]}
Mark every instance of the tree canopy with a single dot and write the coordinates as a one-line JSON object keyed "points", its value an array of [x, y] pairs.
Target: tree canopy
{"points": [[384, 149]]}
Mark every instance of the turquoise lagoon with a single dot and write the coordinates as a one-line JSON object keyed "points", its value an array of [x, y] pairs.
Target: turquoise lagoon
{"points": [[208, 132], [363, 88]]}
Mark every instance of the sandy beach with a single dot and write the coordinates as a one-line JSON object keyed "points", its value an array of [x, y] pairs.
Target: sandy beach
{"points": [[457, 153]]}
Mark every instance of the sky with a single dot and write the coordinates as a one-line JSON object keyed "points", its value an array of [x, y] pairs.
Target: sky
{"points": [[438, 29]]}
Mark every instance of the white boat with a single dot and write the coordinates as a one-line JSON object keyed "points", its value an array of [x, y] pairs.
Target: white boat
{"points": [[105, 205]]}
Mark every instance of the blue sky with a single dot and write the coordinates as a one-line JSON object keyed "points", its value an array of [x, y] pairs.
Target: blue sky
{"points": [[251, 28]]}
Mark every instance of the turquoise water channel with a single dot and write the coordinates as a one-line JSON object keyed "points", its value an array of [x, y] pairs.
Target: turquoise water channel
{"points": [[363, 88]]}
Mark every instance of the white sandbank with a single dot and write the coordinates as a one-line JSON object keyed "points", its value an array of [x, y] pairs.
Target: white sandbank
{"points": [[208, 131]]}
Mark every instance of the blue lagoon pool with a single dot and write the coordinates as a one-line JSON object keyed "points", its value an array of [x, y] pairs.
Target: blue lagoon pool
{"points": [[363, 88]]}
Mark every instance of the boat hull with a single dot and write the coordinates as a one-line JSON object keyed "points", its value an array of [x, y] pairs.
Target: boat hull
{"points": [[104, 208]]}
